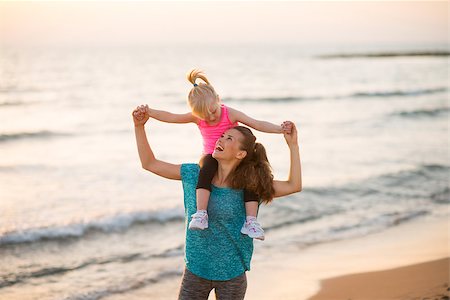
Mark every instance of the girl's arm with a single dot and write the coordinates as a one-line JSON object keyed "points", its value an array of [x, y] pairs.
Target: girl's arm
{"points": [[238, 116], [148, 160], [168, 117], [294, 182]]}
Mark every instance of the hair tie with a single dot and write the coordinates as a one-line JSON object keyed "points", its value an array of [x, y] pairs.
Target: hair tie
{"points": [[195, 84]]}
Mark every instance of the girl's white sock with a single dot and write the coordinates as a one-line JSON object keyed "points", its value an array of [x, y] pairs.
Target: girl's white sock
{"points": [[248, 218]]}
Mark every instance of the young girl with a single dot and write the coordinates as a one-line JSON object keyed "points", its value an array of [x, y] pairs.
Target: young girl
{"points": [[213, 118]]}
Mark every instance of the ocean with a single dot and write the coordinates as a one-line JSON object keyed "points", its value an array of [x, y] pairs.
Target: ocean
{"points": [[80, 218]]}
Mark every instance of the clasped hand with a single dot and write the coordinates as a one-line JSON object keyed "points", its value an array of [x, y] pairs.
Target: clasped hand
{"points": [[141, 115]]}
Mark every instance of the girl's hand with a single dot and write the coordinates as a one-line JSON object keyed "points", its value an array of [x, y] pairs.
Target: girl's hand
{"points": [[286, 127], [140, 115], [291, 137], [148, 111]]}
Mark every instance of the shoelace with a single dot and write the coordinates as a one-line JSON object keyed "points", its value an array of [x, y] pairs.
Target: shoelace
{"points": [[253, 228], [200, 217]]}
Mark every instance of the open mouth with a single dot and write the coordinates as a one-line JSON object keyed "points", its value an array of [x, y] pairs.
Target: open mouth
{"points": [[219, 148]]}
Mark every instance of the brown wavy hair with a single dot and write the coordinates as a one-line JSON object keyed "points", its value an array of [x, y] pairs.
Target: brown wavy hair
{"points": [[254, 173]]}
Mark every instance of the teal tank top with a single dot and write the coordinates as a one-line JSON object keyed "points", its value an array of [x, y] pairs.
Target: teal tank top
{"points": [[220, 252]]}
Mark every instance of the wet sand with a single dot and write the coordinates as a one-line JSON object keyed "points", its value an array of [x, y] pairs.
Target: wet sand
{"points": [[429, 280]]}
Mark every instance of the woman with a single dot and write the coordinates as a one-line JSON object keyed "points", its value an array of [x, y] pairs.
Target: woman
{"points": [[218, 257]]}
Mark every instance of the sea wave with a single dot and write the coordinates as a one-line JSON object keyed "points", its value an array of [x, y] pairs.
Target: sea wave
{"points": [[355, 95], [11, 103], [295, 221], [115, 223], [387, 54], [419, 182], [399, 93], [15, 278], [17, 89], [27, 167], [384, 182], [442, 196], [431, 172], [376, 223], [276, 99], [423, 184], [422, 112], [357, 228], [43, 134], [126, 286]]}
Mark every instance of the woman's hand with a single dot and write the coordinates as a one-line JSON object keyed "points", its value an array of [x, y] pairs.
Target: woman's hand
{"points": [[294, 182], [286, 127], [290, 133], [148, 160], [141, 115]]}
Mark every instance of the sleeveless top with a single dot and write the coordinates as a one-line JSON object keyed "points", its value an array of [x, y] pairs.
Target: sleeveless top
{"points": [[211, 134], [220, 252]]}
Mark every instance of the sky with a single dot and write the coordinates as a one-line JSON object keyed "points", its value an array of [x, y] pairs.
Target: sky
{"points": [[216, 22]]}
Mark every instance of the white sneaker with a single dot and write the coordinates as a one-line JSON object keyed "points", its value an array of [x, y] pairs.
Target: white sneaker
{"points": [[199, 221], [253, 229]]}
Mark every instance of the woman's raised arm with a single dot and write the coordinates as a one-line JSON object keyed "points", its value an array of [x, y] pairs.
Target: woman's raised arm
{"points": [[148, 159], [294, 182]]}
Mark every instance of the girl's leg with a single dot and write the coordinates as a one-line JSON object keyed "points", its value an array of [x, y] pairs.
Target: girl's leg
{"points": [[251, 203], [233, 289], [251, 209], [251, 226], [207, 172], [194, 287]]}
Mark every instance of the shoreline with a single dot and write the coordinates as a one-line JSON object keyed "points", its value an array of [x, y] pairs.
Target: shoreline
{"points": [[428, 280], [300, 274]]}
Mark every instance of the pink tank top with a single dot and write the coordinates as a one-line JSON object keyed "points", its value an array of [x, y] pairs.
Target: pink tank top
{"points": [[211, 134]]}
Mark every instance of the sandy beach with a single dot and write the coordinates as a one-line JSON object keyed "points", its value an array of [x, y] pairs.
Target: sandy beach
{"points": [[409, 261], [427, 280]]}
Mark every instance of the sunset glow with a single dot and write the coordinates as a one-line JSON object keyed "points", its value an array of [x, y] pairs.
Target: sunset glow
{"points": [[223, 22]]}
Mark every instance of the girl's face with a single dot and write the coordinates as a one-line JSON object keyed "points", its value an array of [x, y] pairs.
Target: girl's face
{"points": [[228, 146], [214, 113]]}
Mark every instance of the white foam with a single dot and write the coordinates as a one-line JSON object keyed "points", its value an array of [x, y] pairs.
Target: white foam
{"points": [[118, 222]]}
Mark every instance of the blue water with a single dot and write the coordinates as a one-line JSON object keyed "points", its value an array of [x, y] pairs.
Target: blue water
{"points": [[80, 219]]}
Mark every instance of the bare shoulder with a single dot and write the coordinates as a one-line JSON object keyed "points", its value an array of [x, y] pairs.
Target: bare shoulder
{"points": [[233, 114], [192, 118]]}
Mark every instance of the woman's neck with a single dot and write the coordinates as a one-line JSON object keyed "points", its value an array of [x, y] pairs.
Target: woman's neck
{"points": [[223, 172]]}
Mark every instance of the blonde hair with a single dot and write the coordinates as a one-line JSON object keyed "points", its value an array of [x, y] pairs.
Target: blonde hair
{"points": [[201, 95]]}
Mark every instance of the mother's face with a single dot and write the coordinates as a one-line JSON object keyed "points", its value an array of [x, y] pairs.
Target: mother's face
{"points": [[228, 146]]}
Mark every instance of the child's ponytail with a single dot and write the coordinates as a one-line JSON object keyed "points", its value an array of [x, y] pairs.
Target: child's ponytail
{"points": [[202, 95], [196, 73]]}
